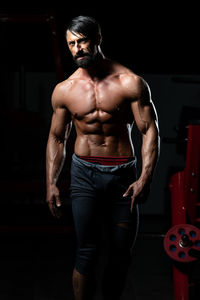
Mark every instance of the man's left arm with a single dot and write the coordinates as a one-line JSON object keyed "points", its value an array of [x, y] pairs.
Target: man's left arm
{"points": [[147, 122]]}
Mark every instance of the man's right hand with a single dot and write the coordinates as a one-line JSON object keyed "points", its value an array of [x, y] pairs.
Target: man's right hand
{"points": [[53, 200]]}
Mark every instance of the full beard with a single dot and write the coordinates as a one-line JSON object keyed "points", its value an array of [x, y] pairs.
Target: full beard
{"points": [[86, 62]]}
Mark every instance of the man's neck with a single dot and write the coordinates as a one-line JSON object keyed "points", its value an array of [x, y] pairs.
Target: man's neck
{"points": [[99, 70]]}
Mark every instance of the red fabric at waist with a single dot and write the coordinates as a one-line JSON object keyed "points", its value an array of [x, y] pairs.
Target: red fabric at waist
{"points": [[107, 160]]}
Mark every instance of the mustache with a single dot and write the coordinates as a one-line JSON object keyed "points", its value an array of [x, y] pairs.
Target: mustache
{"points": [[81, 54]]}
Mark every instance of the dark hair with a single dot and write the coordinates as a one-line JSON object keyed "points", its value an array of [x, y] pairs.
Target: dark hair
{"points": [[86, 26]]}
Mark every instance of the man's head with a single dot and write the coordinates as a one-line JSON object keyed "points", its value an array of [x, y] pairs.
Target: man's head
{"points": [[83, 36]]}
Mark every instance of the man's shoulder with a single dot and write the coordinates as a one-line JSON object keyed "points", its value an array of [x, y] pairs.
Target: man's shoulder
{"points": [[133, 84], [60, 92], [65, 86], [126, 75], [63, 90], [132, 81]]}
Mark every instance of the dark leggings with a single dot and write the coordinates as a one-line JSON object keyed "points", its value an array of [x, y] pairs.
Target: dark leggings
{"points": [[97, 199]]}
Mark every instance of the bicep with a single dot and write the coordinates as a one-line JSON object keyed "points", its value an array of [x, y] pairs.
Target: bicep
{"points": [[60, 121], [145, 115], [142, 106], [61, 118]]}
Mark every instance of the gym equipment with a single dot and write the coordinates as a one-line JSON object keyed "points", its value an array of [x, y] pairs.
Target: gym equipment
{"points": [[182, 241]]}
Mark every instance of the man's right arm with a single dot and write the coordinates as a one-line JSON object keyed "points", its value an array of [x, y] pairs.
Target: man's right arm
{"points": [[55, 151]]}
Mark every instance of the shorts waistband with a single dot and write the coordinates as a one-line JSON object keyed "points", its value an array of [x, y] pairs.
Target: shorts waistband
{"points": [[107, 160], [104, 168]]}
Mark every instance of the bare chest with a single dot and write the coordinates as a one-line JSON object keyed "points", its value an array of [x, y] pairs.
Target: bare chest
{"points": [[102, 100]]}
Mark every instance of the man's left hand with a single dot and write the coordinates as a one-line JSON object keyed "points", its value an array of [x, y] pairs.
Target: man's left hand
{"points": [[139, 192]]}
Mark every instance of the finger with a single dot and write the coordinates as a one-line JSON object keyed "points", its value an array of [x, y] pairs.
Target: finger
{"points": [[57, 207], [58, 202], [57, 211], [52, 205], [132, 203], [127, 191], [52, 208]]}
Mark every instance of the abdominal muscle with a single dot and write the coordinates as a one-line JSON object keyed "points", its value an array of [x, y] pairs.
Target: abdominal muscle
{"points": [[101, 144]]}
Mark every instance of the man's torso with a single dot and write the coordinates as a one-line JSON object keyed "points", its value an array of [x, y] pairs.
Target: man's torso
{"points": [[100, 111]]}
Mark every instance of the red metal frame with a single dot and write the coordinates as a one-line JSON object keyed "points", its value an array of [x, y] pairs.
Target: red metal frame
{"points": [[184, 202], [192, 172]]}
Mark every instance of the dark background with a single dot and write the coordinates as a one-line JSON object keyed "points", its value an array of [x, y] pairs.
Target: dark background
{"points": [[159, 42], [152, 38]]}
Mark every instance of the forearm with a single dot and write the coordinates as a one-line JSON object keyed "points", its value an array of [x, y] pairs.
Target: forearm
{"points": [[139, 189], [150, 154], [55, 156]]}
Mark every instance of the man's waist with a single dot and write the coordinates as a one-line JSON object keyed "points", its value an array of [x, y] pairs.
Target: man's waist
{"points": [[77, 160], [107, 160]]}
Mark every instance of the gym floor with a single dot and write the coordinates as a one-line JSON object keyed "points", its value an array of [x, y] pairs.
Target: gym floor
{"points": [[37, 261]]}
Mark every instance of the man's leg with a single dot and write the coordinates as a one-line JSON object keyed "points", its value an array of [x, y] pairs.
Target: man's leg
{"points": [[86, 232], [79, 282], [84, 210], [83, 273], [116, 270], [122, 237]]}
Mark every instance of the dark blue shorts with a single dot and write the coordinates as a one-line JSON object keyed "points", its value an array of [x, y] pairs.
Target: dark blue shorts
{"points": [[96, 193]]}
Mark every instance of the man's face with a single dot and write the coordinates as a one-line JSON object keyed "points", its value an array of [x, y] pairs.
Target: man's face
{"points": [[82, 49]]}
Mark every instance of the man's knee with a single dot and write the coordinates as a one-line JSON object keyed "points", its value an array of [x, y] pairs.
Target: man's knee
{"points": [[85, 259]]}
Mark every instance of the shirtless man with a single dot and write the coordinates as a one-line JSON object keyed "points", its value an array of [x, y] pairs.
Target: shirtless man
{"points": [[103, 99]]}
